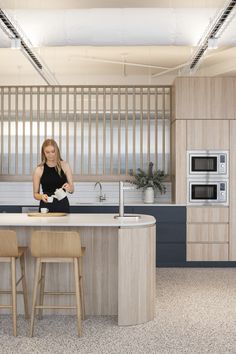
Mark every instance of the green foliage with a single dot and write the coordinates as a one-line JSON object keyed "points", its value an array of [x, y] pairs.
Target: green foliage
{"points": [[147, 179]]}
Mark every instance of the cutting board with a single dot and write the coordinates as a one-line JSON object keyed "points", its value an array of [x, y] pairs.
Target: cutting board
{"points": [[46, 214]]}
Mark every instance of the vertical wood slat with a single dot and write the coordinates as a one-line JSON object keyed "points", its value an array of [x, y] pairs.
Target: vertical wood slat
{"points": [[53, 112], [82, 132], [89, 131], [75, 132], [23, 132], [134, 129], [163, 130], [126, 131], [67, 123], [171, 126], [111, 132], [59, 115], [156, 128], [45, 113], [148, 124], [16, 134], [104, 132], [38, 125], [9, 130], [2, 127], [97, 132], [141, 127], [119, 130], [31, 129]]}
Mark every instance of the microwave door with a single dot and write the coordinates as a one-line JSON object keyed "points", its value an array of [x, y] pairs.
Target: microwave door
{"points": [[204, 164], [204, 192]]}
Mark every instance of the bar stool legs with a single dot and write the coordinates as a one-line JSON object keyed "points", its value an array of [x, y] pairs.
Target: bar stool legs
{"points": [[42, 286], [39, 282], [57, 247], [24, 286], [34, 299], [77, 292], [14, 284], [13, 294], [81, 287]]}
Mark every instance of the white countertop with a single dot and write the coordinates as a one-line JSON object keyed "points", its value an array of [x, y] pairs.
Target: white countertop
{"points": [[89, 220]]}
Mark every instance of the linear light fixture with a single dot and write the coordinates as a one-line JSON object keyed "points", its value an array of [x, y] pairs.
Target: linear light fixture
{"points": [[214, 31], [14, 34]]}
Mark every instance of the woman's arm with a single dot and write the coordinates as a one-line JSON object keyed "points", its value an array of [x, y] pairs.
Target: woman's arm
{"points": [[69, 186], [36, 184]]}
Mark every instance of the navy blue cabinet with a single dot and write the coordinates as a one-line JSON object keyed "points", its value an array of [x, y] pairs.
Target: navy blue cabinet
{"points": [[171, 233], [171, 229]]}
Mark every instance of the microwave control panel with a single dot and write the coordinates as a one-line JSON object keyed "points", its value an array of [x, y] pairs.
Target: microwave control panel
{"points": [[222, 193], [222, 164]]}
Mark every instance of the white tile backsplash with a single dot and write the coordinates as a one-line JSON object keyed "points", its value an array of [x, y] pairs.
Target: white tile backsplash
{"points": [[21, 193]]}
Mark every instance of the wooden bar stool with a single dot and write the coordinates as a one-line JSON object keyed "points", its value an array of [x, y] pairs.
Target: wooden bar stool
{"points": [[9, 252], [57, 247]]}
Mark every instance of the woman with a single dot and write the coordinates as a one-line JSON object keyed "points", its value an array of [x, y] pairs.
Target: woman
{"points": [[52, 173]]}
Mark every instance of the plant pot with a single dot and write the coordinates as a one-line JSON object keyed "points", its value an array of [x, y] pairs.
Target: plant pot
{"points": [[149, 195]]}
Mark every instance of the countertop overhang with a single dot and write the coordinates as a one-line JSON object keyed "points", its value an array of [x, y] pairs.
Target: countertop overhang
{"points": [[70, 220]]}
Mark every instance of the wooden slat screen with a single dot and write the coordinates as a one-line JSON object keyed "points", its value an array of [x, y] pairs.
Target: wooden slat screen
{"points": [[101, 131]]}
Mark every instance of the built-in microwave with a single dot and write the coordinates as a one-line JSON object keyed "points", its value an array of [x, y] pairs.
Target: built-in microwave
{"points": [[208, 192], [208, 163]]}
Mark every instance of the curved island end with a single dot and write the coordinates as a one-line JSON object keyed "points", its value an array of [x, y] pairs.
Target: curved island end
{"points": [[118, 266]]}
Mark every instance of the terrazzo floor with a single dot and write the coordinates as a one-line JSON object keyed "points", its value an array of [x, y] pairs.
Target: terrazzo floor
{"points": [[195, 313]]}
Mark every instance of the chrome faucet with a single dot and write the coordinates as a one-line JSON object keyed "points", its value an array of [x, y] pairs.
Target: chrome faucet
{"points": [[121, 215], [102, 196], [121, 197]]}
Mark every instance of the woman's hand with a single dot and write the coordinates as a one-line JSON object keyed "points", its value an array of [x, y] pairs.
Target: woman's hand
{"points": [[67, 187], [44, 198]]}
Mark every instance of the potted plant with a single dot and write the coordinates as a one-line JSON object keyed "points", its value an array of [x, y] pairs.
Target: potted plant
{"points": [[149, 181]]}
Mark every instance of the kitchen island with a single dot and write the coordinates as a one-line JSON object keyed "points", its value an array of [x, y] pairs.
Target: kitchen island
{"points": [[119, 263]]}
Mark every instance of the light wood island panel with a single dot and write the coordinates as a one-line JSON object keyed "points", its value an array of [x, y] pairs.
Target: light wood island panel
{"points": [[119, 267]]}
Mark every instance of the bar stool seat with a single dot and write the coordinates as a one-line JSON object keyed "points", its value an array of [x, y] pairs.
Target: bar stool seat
{"points": [[57, 247], [9, 253]]}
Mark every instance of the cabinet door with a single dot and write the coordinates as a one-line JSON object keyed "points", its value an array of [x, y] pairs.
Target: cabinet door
{"points": [[207, 214], [207, 252], [211, 233], [207, 134]]}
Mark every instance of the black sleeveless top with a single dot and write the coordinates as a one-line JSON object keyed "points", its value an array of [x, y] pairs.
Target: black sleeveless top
{"points": [[50, 181]]}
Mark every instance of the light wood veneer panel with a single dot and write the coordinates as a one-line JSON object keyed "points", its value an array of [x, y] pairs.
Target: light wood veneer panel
{"points": [[207, 252], [207, 134], [100, 268], [205, 98], [133, 301], [207, 233], [136, 285], [232, 218], [179, 163], [207, 214], [223, 92]]}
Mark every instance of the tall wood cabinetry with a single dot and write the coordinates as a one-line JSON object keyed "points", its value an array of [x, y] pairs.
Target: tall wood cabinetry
{"points": [[204, 118]]}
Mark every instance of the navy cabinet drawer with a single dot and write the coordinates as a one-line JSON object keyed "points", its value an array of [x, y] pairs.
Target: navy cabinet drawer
{"points": [[168, 233], [163, 213], [171, 253]]}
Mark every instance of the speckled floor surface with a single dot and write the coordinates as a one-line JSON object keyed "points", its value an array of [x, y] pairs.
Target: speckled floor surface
{"points": [[195, 313]]}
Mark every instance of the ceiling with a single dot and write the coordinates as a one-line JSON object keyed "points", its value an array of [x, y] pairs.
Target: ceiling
{"points": [[115, 42]]}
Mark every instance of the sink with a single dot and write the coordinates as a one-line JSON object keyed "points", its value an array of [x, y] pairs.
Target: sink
{"points": [[127, 217]]}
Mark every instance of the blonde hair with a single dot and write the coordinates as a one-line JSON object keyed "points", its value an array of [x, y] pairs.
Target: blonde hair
{"points": [[51, 142]]}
